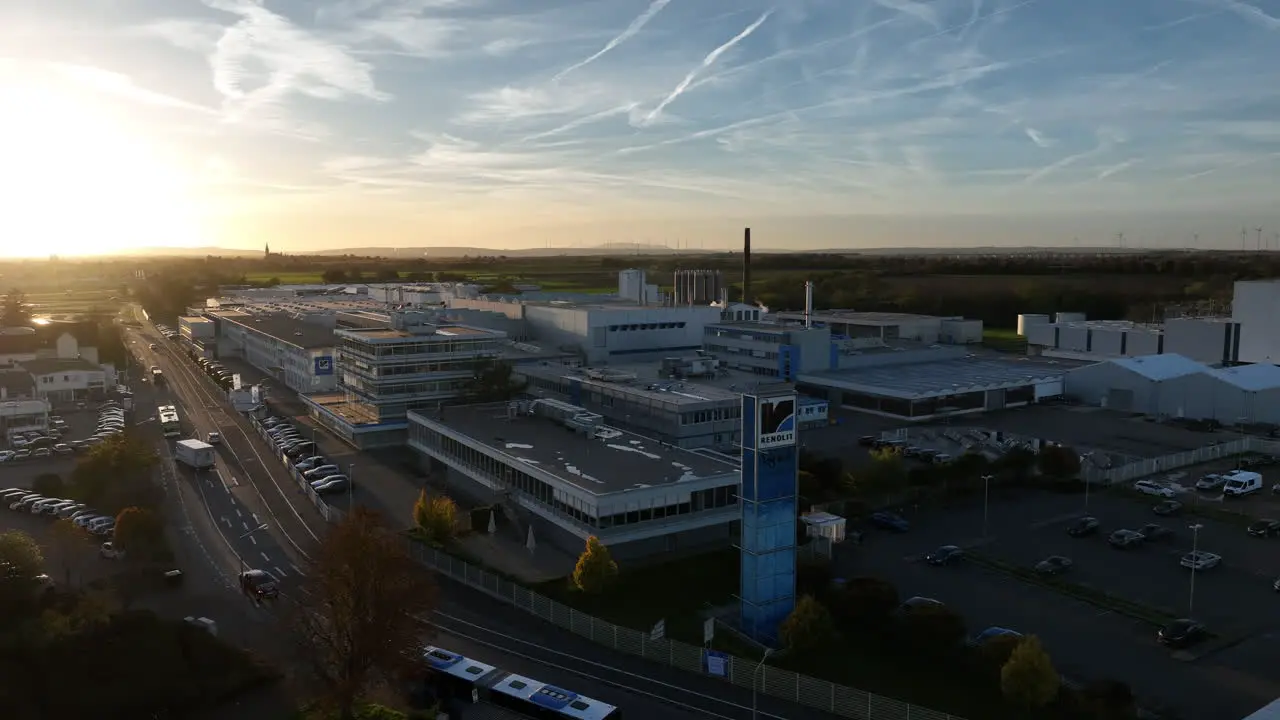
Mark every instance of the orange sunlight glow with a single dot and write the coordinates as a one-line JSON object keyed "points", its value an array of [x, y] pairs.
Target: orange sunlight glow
{"points": [[74, 180]]}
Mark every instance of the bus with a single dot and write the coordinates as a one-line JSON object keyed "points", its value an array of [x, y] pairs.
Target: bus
{"points": [[157, 377], [470, 681], [169, 422]]}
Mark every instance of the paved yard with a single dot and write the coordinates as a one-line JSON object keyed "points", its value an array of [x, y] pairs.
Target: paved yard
{"points": [[1084, 641]]}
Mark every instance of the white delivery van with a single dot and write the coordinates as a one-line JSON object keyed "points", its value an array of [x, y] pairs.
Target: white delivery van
{"points": [[1241, 482]]}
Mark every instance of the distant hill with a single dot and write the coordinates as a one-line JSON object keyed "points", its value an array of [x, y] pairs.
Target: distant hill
{"points": [[459, 251]]}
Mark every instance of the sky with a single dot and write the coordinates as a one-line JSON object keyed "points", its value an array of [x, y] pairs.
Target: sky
{"points": [[314, 124]]}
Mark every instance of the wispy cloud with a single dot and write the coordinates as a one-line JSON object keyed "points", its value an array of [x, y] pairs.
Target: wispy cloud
{"points": [[1037, 137], [918, 10], [707, 62], [1251, 13], [636, 26], [1116, 169]]}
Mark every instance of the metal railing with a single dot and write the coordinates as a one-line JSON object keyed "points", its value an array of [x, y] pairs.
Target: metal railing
{"points": [[803, 689], [1174, 461]]}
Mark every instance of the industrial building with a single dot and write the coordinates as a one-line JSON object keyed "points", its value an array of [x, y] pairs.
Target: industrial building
{"points": [[889, 327], [385, 372], [634, 286], [1214, 341], [298, 353], [1254, 308], [1174, 386], [699, 287], [560, 471], [928, 389], [769, 349], [22, 415]]}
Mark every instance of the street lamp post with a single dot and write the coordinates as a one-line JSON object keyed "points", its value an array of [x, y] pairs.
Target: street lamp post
{"points": [[754, 685], [986, 498], [1195, 546]]}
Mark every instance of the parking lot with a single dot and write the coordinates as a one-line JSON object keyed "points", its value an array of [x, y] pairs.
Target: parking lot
{"points": [[1095, 429], [1265, 503], [1085, 641]]}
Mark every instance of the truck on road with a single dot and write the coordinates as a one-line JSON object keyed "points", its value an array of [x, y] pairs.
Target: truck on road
{"points": [[194, 454]]}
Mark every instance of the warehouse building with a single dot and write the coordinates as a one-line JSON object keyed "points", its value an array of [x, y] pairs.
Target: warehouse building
{"points": [[297, 353], [1173, 386], [1254, 308], [560, 470], [1214, 341], [927, 390], [890, 327], [383, 373]]}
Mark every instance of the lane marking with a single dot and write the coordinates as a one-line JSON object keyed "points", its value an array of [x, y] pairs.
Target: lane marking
{"points": [[256, 521], [225, 520], [264, 556], [279, 572], [295, 569], [253, 540], [244, 525], [238, 513]]}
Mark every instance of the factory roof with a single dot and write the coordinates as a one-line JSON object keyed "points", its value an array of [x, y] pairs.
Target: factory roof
{"points": [[439, 333], [1166, 366], [189, 319], [936, 379], [289, 330], [860, 318], [1250, 378], [611, 461], [643, 383]]}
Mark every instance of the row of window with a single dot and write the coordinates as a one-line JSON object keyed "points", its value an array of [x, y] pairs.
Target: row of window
{"points": [[475, 346], [647, 326], [766, 355], [760, 336]]}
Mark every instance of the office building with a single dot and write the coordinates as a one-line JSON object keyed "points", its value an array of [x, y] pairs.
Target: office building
{"points": [[890, 327], [562, 471], [297, 353], [386, 372], [769, 350]]}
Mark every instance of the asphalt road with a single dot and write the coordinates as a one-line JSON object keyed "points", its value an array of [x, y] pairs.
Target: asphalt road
{"points": [[1085, 642]]}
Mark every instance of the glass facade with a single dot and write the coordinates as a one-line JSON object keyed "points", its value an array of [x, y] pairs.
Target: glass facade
{"points": [[769, 515], [398, 374]]}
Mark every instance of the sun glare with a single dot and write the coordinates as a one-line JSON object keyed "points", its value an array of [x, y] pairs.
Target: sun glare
{"points": [[75, 181]]}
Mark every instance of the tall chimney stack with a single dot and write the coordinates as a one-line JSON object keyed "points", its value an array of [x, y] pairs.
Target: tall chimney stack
{"points": [[746, 266], [808, 304]]}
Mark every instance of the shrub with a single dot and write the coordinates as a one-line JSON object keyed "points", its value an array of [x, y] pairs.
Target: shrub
{"points": [[1029, 679], [595, 569], [48, 485], [809, 626], [437, 517]]}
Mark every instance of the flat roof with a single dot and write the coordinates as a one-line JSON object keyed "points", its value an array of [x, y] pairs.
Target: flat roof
{"points": [[937, 379], [189, 319], [855, 316], [643, 384], [440, 331], [299, 333], [614, 462]]}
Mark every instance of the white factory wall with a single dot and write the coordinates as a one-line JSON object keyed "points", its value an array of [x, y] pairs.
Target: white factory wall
{"points": [[960, 332], [1112, 385], [1043, 335], [1255, 307], [1107, 341], [603, 333], [1141, 344], [1073, 338], [1204, 340], [514, 310], [1028, 320], [927, 330]]}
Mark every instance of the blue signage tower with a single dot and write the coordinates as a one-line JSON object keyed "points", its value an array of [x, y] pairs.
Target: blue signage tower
{"points": [[770, 465]]}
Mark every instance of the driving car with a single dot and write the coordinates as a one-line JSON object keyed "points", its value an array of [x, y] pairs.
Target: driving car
{"points": [[944, 555], [1125, 539], [1053, 565], [1086, 525], [890, 521], [1152, 532], [1181, 633], [1265, 528], [213, 438], [259, 583], [1200, 560]]}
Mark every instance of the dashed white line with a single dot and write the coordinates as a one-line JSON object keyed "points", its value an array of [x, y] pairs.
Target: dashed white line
{"points": [[253, 540], [264, 556], [226, 520], [295, 569], [279, 572], [238, 513], [256, 521], [244, 525]]}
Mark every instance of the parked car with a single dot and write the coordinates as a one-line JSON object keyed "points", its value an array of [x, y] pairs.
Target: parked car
{"points": [[1087, 525], [327, 470], [1201, 560], [1169, 507], [1265, 528], [890, 521], [1181, 633], [332, 485], [1152, 532], [109, 551], [1053, 565], [1212, 481], [1125, 539], [1150, 487]]}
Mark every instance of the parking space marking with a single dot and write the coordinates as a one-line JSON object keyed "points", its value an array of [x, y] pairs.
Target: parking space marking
{"points": [[295, 569], [279, 572], [245, 525], [256, 521], [253, 540], [264, 556], [239, 514]]}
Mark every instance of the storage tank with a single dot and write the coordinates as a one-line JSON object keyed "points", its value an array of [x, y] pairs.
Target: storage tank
{"points": [[1026, 320], [1069, 317]]}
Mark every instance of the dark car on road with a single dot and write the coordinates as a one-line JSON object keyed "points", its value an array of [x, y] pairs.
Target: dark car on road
{"points": [[1168, 507], [944, 555], [1181, 633], [259, 583], [890, 521], [1087, 525], [1265, 528], [1053, 565], [1152, 532], [1125, 539]]}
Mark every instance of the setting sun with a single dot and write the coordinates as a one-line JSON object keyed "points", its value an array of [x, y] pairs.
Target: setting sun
{"points": [[75, 180]]}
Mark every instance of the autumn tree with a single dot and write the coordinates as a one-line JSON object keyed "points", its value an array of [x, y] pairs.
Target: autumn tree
{"points": [[595, 569], [491, 380], [20, 562], [1029, 679], [361, 610], [864, 606], [1058, 462], [72, 546], [14, 311], [808, 627], [140, 533], [883, 475], [436, 516], [117, 474], [48, 485], [934, 629], [1108, 700]]}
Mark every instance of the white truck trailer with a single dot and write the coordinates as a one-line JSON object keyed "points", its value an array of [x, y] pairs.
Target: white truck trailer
{"points": [[194, 454]]}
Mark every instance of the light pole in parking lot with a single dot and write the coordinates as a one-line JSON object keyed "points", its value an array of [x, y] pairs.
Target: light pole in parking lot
{"points": [[1195, 546], [754, 688], [986, 498]]}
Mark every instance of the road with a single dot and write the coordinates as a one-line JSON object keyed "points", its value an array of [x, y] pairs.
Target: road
{"points": [[219, 506]]}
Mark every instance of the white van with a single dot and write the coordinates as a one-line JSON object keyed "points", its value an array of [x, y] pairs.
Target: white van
{"points": [[1241, 482]]}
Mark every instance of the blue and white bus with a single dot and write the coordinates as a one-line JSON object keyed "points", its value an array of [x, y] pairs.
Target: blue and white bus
{"points": [[473, 681], [170, 425]]}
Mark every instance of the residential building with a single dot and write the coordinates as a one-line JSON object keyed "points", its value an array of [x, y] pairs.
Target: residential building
{"points": [[560, 471], [22, 415], [297, 353], [69, 380]]}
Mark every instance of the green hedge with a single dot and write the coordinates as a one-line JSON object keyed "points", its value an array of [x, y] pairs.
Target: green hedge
{"points": [[1098, 598]]}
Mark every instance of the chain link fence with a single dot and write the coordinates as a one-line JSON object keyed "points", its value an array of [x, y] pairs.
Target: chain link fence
{"points": [[836, 699]]}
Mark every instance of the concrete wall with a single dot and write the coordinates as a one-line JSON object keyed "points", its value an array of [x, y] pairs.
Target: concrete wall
{"points": [[961, 332], [1073, 338], [1141, 344], [1207, 341], [1107, 341], [604, 333], [1092, 384], [1042, 334], [1255, 307]]}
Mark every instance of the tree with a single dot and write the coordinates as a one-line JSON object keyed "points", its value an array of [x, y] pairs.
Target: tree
{"points": [[1108, 700], [995, 652], [48, 485], [1058, 462], [20, 562], [15, 312], [436, 516], [595, 568], [491, 381], [864, 604], [334, 276], [809, 626], [1029, 679], [361, 615], [117, 474], [933, 629], [71, 545], [1017, 464], [140, 534], [883, 475]]}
